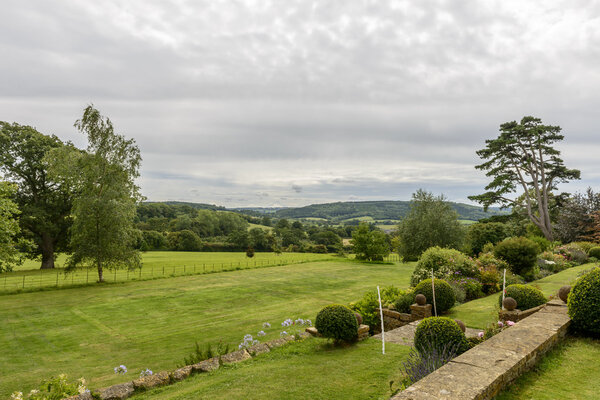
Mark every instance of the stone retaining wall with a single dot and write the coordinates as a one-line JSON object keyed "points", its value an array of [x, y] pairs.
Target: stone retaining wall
{"points": [[125, 390], [393, 319], [482, 372], [517, 315]]}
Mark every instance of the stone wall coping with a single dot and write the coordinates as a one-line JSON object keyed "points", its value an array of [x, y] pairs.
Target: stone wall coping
{"points": [[483, 371]]}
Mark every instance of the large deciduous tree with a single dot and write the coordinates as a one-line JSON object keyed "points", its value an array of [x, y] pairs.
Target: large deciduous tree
{"points": [[523, 159], [369, 245], [9, 227], [431, 221], [103, 233], [45, 203]]}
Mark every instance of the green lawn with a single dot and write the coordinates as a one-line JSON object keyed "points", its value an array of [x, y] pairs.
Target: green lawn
{"points": [[153, 324], [569, 371], [479, 313], [311, 369], [156, 264]]}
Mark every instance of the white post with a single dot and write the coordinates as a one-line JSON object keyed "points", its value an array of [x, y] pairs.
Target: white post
{"points": [[433, 290], [503, 288], [381, 316]]}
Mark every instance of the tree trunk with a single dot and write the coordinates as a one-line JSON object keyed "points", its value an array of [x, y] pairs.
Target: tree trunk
{"points": [[100, 277], [47, 248]]}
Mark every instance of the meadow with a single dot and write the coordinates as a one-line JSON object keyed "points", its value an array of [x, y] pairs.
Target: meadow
{"points": [[86, 331]]}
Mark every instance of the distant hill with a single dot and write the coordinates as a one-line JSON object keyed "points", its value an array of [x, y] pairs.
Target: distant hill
{"points": [[378, 210], [197, 206]]}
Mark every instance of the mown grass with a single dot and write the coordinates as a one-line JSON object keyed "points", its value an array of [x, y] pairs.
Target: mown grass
{"points": [[569, 371], [156, 264], [153, 324], [479, 313], [311, 369]]}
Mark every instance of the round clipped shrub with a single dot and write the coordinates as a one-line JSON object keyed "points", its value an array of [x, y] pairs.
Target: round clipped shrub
{"points": [[584, 303], [443, 262], [337, 322], [595, 252], [440, 332], [520, 253], [526, 296], [444, 294]]}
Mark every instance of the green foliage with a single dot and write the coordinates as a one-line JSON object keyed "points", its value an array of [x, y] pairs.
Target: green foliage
{"points": [[55, 388], [584, 303], [204, 352], [478, 235], [440, 332], [444, 295], [430, 222], [543, 243], [369, 245], [523, 156], [185, 240], [572, 252], [404, 301], [44, 202], [526, 296], [560, 261], [595, 252], [154, 240], [520, 253], [444, 263], [491, 269], [367, 306], [585, 246], [337, 322], [472, 287], [104, 176], [250, 252], [9, 227]]}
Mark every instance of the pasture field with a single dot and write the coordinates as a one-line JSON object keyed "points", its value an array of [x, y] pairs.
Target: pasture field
{"points": [[479, 313], [86, 331], [311, 369], [156, 264]]}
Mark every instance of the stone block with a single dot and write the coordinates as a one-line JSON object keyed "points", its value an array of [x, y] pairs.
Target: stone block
{"points": [[313, 331], [116, 392], [82, 396], [303, 335], [276, 343], [150, 381], [363, 329], [421, 312], [235, 357], [181, 373], [207, 365], [258, 349]]}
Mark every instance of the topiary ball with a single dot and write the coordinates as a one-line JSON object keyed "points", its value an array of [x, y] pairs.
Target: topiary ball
{"points": [[563, 293], [584, 303], [509, 303], [337, 322], [461, 325], [594, 252], [421, 299], [444, 295], [440, 332], [526, 296]]}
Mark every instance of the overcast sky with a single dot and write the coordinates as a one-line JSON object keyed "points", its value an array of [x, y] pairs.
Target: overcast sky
{"points": [[293, 102]]}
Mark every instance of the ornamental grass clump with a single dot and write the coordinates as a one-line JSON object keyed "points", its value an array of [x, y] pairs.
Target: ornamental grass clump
{"points": [[337, 322], [526, 296], [584, 303], [430, 357]]}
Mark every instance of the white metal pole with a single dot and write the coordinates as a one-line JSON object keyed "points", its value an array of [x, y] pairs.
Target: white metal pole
{"points": [[503, 288], [433, 290], [381, 316]]}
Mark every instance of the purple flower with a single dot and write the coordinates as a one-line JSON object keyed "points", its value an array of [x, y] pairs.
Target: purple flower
{"points": [[480, 335], [121, 369], [284, 333], [510, 323], [500, 324], [261, 333], [266, 325]]}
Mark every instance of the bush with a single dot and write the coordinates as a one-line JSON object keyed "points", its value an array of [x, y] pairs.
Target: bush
{"points": [[584, 303], [526, 296], [420, 364], [595, 252], [472, 287], [520, 253], [337, 322], [444, 295], [440, 333], [404, 301], [368, 305], [459, 293], [572, 252], [444, 262], [543, 243], [480, 234], [560, 262], [585, 246]]}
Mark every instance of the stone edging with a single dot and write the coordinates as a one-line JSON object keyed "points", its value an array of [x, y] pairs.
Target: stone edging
{"points": [[125, 390], [482, 372]]}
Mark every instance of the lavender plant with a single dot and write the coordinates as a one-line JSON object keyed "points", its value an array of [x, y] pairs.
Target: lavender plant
{"points": [[420, 364]]}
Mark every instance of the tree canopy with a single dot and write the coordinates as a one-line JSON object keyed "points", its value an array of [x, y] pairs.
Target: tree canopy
{"points": [[44, 202], [523, 159], [9, 227], [103, 232], [369, 245]]}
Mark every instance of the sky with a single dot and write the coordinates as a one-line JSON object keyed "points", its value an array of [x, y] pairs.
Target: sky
{"points": [[288, 103]]}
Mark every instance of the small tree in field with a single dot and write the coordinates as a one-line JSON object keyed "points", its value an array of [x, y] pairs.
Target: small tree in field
{"points": [[250, 252], [103, 233], [369, 245], [523, 157]]}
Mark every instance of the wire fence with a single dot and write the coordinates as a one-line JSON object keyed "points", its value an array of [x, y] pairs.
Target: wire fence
{"points": [[49, 278]]}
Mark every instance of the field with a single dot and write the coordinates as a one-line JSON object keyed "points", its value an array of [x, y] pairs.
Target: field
{"points": [[156, 264], [86, 331]]}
